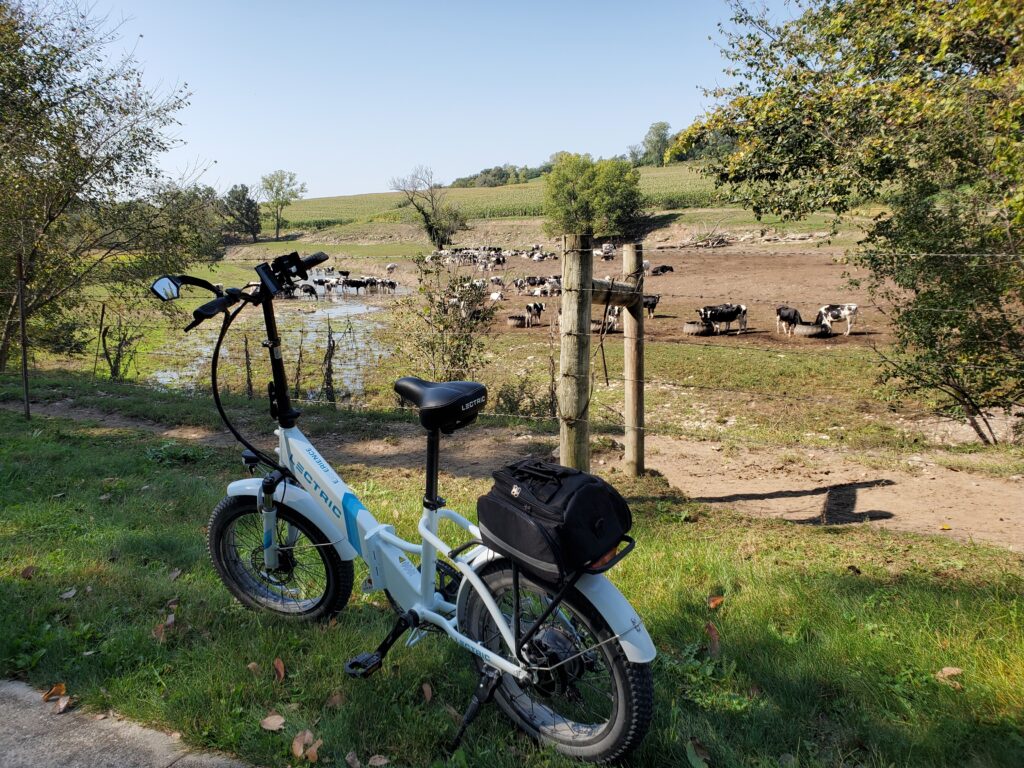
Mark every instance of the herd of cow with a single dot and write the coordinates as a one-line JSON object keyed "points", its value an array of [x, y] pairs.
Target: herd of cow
{"points": [[329, 280]]}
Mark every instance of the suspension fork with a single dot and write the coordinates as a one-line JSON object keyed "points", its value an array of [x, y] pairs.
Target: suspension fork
{"points": [[268, 511]]}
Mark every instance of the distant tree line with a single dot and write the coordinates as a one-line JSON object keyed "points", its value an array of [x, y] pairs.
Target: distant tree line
{"points": [[500, 175]]}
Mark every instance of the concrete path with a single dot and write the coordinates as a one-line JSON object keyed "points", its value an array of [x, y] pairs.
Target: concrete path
{"points": [[32, 736]]}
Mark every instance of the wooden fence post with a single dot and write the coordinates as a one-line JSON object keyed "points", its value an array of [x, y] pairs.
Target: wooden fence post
{"points": [[633, 363], [574, 361]]}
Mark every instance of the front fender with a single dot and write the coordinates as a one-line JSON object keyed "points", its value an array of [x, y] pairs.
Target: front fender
{"points": [[290, 495], [622, 619]]}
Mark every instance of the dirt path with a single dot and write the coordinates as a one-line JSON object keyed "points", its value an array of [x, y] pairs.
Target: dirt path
{"points": [[818, 487], [802, 486]]}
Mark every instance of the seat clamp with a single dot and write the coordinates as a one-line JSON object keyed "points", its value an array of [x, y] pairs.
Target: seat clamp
{"points": [[434, 504]]}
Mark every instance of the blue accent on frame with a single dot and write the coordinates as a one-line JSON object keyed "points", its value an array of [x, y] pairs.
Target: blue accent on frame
{"points": [[352, 507], [268, 538]]}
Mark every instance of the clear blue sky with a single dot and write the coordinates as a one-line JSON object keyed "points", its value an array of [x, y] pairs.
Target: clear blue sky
{"points": [[350, 94]]}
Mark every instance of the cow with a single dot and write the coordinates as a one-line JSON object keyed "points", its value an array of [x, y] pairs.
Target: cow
{"points": [[716, 315], [533, 312], [391, 268], [651, 303], [832, 312], [661, 270], [309, 290], [497, 281], [497, 296], [646, 267], [353, 283], [787, 318]]}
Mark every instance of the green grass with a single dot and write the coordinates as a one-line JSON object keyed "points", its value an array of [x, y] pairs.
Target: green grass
{"points": [[676, 186], [817, 662]]}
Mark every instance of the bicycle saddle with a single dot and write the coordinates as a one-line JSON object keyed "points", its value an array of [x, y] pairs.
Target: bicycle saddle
{"points": [[446, 405]]}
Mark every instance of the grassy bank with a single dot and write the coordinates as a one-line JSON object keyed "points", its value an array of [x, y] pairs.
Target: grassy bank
{"points": [[830, 638]]}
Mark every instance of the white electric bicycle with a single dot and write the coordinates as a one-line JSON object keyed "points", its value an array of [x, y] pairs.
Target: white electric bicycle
{"points": [[570, 665]]}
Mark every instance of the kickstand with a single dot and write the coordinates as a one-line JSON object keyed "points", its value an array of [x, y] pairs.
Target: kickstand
{"points": [[484, 692], [365, 664]]}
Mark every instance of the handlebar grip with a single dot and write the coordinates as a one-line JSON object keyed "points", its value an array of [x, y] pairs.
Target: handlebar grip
{"points": [[210, 310], [317, 258]]}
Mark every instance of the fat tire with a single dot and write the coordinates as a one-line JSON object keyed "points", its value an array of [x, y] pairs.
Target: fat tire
{"points": [[339, 573], [634, 705]]}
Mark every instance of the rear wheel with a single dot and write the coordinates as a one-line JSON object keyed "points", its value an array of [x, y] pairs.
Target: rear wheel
{"points": [[585, 698], [311, 580]]}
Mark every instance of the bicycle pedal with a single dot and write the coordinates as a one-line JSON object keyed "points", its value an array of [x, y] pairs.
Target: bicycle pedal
{"points": [[363, 665]]}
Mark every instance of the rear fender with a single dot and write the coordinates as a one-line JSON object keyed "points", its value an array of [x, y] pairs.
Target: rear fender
{"points": [[606, 598], [289, 495]]}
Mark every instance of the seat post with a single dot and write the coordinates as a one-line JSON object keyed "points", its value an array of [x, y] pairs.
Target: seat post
{"points": [[431, 499]]}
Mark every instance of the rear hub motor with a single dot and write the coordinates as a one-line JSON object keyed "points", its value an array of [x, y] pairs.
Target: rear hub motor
{"points": [[558, 662]]}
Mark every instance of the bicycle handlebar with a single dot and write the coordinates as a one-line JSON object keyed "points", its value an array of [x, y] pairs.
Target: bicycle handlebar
{"points": [[211, 309]]}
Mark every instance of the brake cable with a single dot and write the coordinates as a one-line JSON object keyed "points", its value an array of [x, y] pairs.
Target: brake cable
{"points": [[229, 318]]}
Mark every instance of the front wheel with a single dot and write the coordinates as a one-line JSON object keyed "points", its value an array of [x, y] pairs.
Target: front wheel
{"points": [[585, 698], [311, 580]]}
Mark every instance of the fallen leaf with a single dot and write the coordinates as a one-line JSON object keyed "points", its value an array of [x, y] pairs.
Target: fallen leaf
{"points": [[714, 644], [377, 761], [945, 527], [453, 713], [854, 570], [169, 624], [272, 722], [353, 760], [105, 497], [715, 601], [696, 753], [332, 623], [88, 589], [173, 575], [279, 670], [60, 495], [311, 753], [335, 700], [100, 716], [28, 572], [176, 736], [946, 675], [172, 604], [62, 705], [428, 692], [253, 667], [88, 653], [158, 632], [292, 706], [302, 740], [69, 594], [55, 692]]}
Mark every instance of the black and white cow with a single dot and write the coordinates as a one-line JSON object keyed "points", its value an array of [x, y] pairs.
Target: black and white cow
{"points": [[830, 313], [533, 312], [651, 303], [786, 318], [661, 270], [716, 315], [309, 290]]}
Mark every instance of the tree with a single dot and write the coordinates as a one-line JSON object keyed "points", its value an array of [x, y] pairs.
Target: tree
{"points": [[441, 329], [656, 142], [83, 203], [241, 211], [441, 219], [584, 197], [919, 105], [635, 153], [280, 189]]}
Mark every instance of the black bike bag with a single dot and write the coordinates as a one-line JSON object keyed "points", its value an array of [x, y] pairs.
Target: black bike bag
{"points": [[551, 520]]}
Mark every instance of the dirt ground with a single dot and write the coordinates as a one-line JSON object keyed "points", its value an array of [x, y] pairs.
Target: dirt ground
{"points": [[808, 487]]}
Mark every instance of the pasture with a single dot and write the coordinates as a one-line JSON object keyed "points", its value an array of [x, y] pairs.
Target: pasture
{"points": [[835, 623]]}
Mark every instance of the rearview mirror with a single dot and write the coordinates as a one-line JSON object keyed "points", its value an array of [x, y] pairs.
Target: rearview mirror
{"points": [[166, 288]]}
